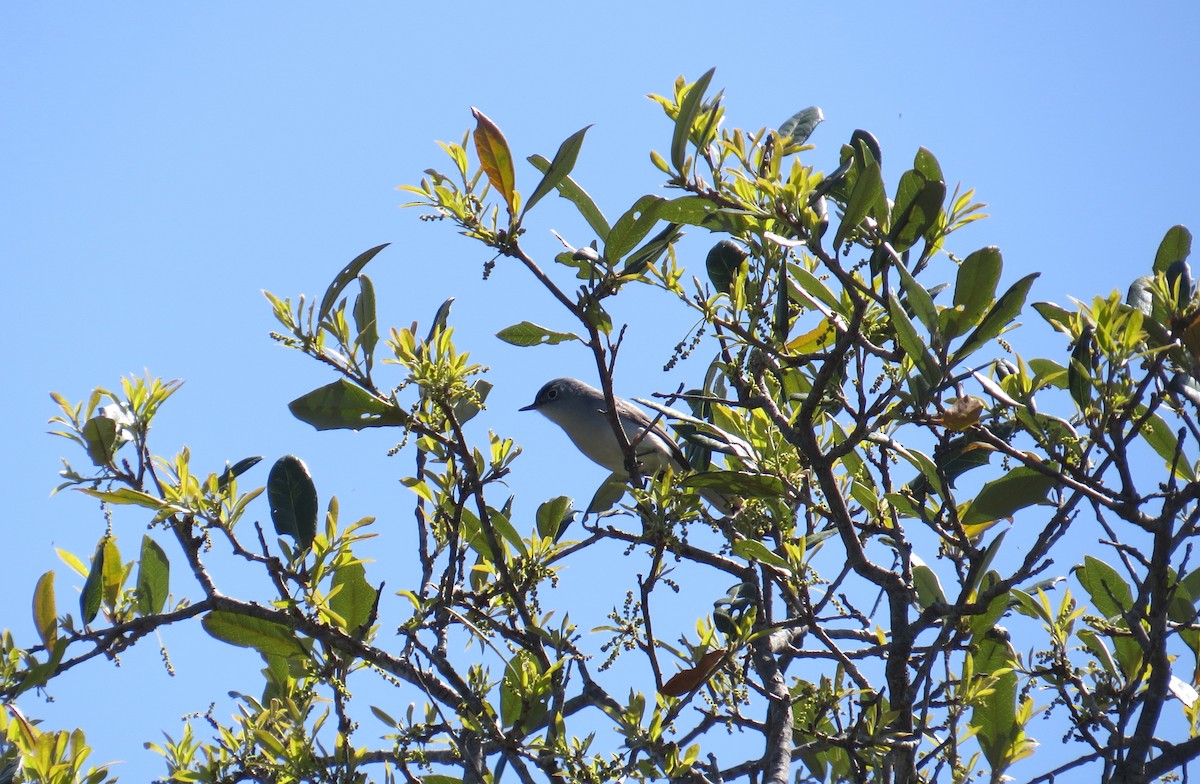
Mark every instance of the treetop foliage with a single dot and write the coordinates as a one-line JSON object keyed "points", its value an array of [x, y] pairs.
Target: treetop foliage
{"points": [[933, 539]]}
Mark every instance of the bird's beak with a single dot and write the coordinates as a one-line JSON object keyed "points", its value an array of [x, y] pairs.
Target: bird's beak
{"points": [[530, 407]]}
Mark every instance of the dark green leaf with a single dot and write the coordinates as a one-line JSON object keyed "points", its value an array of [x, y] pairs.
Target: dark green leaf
{"points": [[465, 408], [237, 469], [689, 109], [440, 319], [356, 598], [1001, 315], [801, 124], [342, 405], [1079, 371], [1180, 284], [570, 190], [529, 334], [1055, 315], [93, 586], [293, 499], [495, 158], [724, 260], [652, 250], [1176, 245], [560, 167], [344, 278], [1003, 497], [267, 637], [154, 578]]}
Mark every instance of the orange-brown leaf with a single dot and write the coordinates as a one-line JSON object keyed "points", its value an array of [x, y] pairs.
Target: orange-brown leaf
{"points": [[685, 681], [496, 159]]}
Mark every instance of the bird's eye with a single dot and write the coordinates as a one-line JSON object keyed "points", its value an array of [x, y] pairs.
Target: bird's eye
{"points": [[552, 393]]}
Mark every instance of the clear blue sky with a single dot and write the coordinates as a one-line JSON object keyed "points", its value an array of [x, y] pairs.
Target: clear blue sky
{"points": [[163, 163]]}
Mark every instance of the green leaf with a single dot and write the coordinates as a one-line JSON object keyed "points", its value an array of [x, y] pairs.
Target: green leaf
{"points": [[607, 494], [266, 637], [651, 250], [863, 201], [342, 405], [45, 614], [743, 484], [1079, 371], [723, 262], [293, 499], [554, 516], [1055, 315], [689, 210], [1110, 594], [344, 278], [918, 204], [911, 343], [570, 190], [755, 551], [529, 334], [125, 496], [113, 573], [801, 124], [355, 599], [689, 109], [560, 167], [495, 158], [926, 583], [975, 289], [89, 598], [101, 440], [994, 714], [632, 227], [154, 577], [1001, 315], [1176, 245], [238, 468], [1003, 497], [927, 164], [364, 319], [919, 299]]}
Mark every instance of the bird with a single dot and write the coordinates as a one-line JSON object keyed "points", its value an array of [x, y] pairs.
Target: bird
{"points": [[580, 410]]}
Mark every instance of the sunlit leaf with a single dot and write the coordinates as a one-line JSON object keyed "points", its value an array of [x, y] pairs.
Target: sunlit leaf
{"points": [[529, 334], [153, 579], [560, 167], [344, 278], [45, 614], [341, 405], [495, 158], [267, 637]]}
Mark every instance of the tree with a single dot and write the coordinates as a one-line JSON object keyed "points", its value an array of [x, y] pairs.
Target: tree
{"points": [[861, 380]]}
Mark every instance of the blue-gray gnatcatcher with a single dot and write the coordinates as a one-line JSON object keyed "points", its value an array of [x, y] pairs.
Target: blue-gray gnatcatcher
{"points": [[579, 409]]}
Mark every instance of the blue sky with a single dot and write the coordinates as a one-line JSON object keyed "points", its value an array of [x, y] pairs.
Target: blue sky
{"points": [[164, 163]]}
